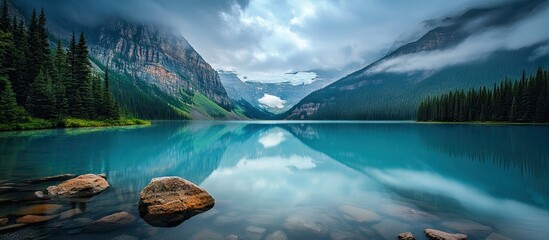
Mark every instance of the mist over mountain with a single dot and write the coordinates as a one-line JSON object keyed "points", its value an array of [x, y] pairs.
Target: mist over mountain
{"points": [[478, 47]]}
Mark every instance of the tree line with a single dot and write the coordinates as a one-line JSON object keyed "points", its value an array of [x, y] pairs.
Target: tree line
{"points": [[524, 100], [38, 81]]}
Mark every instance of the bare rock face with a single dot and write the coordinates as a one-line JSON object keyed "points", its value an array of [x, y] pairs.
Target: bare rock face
{"points": [[433, 234], [168, 201], [80, 187], [110, 222]]}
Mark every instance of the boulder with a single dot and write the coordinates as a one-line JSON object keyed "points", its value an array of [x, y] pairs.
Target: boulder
{"points": [[30, 219], [406, 236], [80, 187], [110, 222], [39, 209], [168, 201], [52, 178], [70, 213], [433, 234]]}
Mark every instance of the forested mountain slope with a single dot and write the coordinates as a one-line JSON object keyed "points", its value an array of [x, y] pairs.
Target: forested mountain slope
{"points": [[479, 47]]}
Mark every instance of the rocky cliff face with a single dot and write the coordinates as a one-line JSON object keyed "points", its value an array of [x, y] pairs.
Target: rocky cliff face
{"points": [[157, 55]]}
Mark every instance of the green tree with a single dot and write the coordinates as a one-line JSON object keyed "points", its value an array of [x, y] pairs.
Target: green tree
{"points": [[9, 111], [42, 99], [5, 18], [514, 109]]}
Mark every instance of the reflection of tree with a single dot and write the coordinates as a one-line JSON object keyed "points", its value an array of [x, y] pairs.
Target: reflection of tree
{"points": [[522, 147], [496, 157]]}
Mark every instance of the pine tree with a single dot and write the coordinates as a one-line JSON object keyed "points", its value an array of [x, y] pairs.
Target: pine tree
{"points": [[42, 100], [82, 76], [513, 112], [9, 111], [5, 18], [540, 108], [110, 105], [59, 80]]}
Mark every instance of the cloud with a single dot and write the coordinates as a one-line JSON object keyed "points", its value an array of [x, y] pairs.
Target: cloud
{"points": [[272, 101], [262, 36], [524, 33], [539, 52]]}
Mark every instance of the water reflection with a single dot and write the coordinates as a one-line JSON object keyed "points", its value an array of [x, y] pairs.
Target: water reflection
{"points": [[277, 176]]}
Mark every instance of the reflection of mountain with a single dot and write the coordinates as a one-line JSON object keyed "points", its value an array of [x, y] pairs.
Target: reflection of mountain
{"points": [[395, 151]]}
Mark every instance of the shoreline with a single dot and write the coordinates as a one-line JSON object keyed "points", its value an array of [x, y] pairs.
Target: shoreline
{"points": [[41, 124]]}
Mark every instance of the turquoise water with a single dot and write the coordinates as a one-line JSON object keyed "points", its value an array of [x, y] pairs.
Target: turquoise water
{"points": [[310, 180]]}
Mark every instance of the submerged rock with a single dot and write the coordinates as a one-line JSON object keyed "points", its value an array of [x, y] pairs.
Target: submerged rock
{"points": [[77, 223], [433, 234], [52, 178], [70, 213], [255, 233], [6, 189], [497, 236], [168, 201], [124, 237], [39, 209], [406, 236], [12, 227], [110, 222], [29, 219], [4, 221], [231, 237], [278, 235], [388, 229], [302, 223], [80, 187], [207, 234], [359, 214], [467, 226]]}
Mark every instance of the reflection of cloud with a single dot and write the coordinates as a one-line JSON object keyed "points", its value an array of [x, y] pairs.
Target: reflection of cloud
{"points": [[272, 139], [469, 196], [271, 164], [523, 34], [272, 101]]}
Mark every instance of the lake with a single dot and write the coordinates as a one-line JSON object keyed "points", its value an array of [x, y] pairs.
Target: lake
{"points": [[309, 180]]}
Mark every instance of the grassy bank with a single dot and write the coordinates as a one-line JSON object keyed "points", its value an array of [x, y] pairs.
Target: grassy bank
{"points": [[35, 123]]}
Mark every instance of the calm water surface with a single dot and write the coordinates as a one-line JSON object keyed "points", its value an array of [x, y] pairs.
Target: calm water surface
{"points": [[330, 180]]}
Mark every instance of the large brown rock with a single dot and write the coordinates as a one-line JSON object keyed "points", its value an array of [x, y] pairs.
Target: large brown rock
{"points": [[168, 201], [80, 187], [433, 234], [110, 222]]}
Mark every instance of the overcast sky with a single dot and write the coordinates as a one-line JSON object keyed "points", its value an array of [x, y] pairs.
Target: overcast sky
{"points": [[265, 38]]}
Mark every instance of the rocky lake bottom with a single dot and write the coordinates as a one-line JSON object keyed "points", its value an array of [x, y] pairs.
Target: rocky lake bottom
{"points": [[285, 180]]}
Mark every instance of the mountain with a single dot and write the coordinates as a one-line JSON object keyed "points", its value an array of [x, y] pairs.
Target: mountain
{"points": [[480, 47], [272, 97], [158, 74]]}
